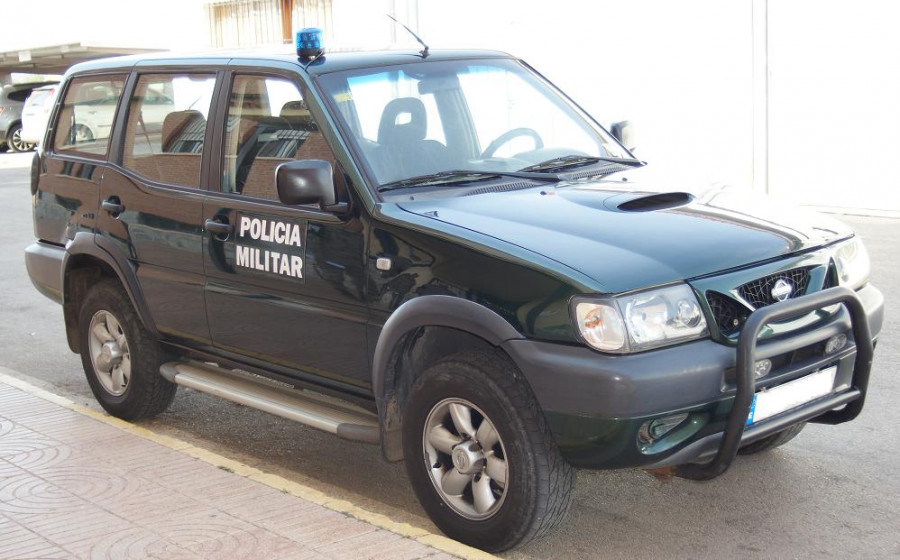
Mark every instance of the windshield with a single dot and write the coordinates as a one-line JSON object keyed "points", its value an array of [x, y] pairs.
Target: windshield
{"points": [[491, 116]]}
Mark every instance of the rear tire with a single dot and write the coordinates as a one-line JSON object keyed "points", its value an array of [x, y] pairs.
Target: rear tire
{"points": [[771, 442], [480, 455], [120, 357], [15, 142]]}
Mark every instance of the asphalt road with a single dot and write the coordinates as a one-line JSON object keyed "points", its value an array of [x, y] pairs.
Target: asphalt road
{"points": [[832, 492]]}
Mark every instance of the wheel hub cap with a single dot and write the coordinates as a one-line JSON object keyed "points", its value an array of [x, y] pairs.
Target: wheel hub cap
{"points": [[109, 352], [465, 458], [468, 457], [110, 356]]}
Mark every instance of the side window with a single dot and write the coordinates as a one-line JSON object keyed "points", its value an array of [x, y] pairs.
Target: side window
{"points": [[166, 126], [86, 118], [268, 124]]}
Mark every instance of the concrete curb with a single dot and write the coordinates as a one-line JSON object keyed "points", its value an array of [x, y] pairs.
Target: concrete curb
{"points": [[433, 540]]}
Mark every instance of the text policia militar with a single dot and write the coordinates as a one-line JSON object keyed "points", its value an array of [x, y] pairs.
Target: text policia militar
{"points": [[272, 231]]}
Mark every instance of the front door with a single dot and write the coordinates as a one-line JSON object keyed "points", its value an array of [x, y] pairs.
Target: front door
{"points": [[285, 283]]}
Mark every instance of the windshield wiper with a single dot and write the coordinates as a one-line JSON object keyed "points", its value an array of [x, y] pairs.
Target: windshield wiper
{"points": [[462, 176], [566, 162]]}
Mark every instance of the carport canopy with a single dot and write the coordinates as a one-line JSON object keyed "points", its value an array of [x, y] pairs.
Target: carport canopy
{"points": [[56, 59]]}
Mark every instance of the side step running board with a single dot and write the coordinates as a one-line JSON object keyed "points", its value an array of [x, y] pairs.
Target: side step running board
{"points": [[312, 409]]}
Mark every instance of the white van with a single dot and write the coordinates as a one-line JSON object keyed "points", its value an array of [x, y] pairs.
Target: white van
{"points": [[36, 112]]}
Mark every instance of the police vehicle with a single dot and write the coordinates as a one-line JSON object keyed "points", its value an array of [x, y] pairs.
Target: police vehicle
{"points": [[440, 253]]}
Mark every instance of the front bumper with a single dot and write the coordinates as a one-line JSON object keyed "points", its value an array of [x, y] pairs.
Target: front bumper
{"points": [[596, 403]]}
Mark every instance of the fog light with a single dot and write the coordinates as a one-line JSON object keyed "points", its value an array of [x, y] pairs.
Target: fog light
{"points": [[836, 343], [652, 430], [762, 368]]}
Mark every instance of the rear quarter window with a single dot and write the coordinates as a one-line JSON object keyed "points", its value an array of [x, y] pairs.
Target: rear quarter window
{"points": [[85, 120]]}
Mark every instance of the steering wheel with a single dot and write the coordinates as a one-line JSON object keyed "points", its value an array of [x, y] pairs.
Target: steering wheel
{"points": [[510, 135]]}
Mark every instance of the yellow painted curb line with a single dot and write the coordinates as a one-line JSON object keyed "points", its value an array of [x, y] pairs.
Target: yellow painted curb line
{"points": [[304, 492]]}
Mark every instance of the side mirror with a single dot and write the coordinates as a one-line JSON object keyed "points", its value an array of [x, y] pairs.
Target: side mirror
{"points": [[623, 131], [308, 181]]}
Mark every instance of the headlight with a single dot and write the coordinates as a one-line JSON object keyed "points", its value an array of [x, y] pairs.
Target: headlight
{"points": [[641, 321], [852, 263]]}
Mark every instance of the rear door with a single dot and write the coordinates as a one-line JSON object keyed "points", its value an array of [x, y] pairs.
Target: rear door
{"points": [[152, 201], [74, 162], [285, 283]]}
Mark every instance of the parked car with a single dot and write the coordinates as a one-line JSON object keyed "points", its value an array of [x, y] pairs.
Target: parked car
{"points": [[440, 253], [12, 100], [36, 113]]}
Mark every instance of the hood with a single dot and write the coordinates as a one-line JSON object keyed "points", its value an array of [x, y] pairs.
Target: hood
{"points": [[626, 236]]}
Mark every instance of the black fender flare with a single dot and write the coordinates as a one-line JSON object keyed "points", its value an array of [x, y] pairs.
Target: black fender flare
{"points": [[439, 311], [100, 248]]}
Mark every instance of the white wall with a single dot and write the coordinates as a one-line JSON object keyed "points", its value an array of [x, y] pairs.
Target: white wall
{"points": [[683, 72], [163, 24], [834, 103]]}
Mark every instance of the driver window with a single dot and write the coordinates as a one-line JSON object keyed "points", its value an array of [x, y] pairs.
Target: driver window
{"points": [[501, 102], [268, 124]]}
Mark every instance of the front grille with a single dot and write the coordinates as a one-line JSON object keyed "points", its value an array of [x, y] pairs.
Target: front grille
{"points": [[758, 293], [728, 314]]}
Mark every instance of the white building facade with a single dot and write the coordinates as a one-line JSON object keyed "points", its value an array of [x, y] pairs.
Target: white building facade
{"points": [[797, 98]]}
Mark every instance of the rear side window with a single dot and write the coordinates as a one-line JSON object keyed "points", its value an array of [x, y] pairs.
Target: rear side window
{"points": [[166, 127], [86, 118], [20, 95]]}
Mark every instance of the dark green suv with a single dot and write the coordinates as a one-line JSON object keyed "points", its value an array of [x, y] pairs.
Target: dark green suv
{"points": [[442, 254]]}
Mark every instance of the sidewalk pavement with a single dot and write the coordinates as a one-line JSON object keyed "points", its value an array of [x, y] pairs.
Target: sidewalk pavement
{"points": [[78, 484]]}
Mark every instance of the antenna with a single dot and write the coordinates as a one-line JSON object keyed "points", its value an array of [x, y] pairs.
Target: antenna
{"points": [[424, 51]]}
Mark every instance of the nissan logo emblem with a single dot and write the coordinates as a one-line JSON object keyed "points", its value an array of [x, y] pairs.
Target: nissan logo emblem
{"points": [[782, 290]]}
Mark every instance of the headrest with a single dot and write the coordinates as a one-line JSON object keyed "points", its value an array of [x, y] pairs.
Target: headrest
{"points": [[294, 109], [174, 124], [411, 129]]}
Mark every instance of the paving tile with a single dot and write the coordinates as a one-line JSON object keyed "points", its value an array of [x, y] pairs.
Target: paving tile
{"points": [[247, 545], [197, 525], [379, 544], [73, 487], [18, 543], [151, 503], [19, 439], [73, 530], [93, 483], [321, 533], [265, 504], [132, 543], [36, 459], [27, 494]]}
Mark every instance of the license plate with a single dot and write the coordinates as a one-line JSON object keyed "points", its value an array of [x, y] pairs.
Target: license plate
{"points": [[790, 395]]}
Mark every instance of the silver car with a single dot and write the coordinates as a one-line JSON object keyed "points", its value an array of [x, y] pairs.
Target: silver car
{"points": [[12, 100]]}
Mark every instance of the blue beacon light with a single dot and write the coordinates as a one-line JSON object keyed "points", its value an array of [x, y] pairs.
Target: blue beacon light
{"points": [[309, 43]]}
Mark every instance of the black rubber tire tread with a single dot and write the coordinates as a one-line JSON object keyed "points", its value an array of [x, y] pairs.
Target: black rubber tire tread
{"points": [[9, 135], [775, 440], [148, 393], [499, 384]]}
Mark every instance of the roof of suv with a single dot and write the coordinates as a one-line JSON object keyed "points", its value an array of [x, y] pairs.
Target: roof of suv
{"points": [[12, 88], [330, 62]]}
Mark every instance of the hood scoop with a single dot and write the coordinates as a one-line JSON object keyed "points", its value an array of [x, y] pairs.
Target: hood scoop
{"points": [[660, 201]]}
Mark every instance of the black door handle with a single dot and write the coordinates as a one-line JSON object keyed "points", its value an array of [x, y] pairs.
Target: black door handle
{"points": [[218, 227], [113, 206]]}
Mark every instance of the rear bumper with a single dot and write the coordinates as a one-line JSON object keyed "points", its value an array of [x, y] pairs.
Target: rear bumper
{"points": [[595, 403], [44, 262]]}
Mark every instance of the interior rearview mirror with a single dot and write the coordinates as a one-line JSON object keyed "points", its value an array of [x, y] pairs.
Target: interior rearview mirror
{"points": [[308, 181], [623, 131]]}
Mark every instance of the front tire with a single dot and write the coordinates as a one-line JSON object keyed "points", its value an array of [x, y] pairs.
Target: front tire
{"points": [[120, 357], [480, 455]]}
